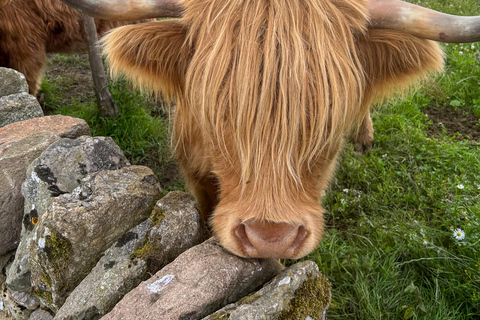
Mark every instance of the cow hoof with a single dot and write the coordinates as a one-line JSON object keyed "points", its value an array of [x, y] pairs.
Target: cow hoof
{"points": [[363, 148]]}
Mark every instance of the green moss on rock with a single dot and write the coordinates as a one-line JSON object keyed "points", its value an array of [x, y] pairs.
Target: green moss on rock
{"points": [[57, 249], [310, 299], [44, 296], [157, 216]]}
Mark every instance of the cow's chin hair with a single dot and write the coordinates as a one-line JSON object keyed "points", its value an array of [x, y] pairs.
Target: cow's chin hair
{"points": [[224, 220]]}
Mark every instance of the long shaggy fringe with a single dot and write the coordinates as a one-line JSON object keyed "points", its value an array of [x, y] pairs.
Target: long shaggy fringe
{"points": [[279, 78]]}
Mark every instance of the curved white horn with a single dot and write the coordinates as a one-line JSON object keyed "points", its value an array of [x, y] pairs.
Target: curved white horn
{"points": [[423, 22], [127, 9]]}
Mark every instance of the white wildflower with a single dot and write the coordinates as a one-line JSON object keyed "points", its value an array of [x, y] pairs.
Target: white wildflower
{"points": [[460, 186], [459, 234]]}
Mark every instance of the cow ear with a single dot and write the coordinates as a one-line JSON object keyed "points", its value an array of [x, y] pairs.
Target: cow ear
{"points": [[154, 55], [394, 60]]}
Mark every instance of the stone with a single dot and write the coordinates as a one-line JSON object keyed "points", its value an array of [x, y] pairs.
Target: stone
{"points": [[13, 166], [18, 107], [11, 306], [64, 126], [174, 226], [299, 292], [5, 263], [198, 282], [78, 227], [12, 82], [58, 170], [40, 314]]}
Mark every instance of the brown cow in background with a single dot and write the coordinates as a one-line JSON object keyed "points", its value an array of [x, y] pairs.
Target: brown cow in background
{"points": [[29, 29], [266, 91]]}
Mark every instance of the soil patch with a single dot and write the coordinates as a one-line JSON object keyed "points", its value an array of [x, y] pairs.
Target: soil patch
{"points": [[71, 78], [458, 123]]}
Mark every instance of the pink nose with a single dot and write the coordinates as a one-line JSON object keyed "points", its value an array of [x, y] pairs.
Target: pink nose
{"points": [[265, 239]]}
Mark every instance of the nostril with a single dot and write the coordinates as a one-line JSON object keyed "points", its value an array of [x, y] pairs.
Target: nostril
{"points": [[245, 242], [302, 234]]}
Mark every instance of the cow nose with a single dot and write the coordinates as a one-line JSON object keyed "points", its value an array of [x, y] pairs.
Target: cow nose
{"points": [[265, 239]]}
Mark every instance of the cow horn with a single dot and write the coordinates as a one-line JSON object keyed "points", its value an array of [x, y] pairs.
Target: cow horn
{"points": [[422, 22], [127, 9]]}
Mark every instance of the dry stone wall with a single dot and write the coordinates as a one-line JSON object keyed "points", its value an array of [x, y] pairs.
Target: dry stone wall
{"points": [[85, 235]]}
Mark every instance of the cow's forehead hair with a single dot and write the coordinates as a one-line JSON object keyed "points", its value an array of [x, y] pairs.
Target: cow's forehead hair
{"points": [[277, 81]]}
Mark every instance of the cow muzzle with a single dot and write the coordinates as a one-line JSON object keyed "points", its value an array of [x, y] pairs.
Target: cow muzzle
{"points": [[265, 239]]}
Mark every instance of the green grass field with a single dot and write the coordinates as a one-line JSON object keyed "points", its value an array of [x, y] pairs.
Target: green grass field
{"points": [[402, 236]]}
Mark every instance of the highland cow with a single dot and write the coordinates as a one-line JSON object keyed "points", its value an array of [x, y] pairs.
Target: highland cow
{"points": [[29, 29], [267, 91]]}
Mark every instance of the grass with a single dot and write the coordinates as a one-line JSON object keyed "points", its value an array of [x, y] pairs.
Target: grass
{"points": [[389, 248]]}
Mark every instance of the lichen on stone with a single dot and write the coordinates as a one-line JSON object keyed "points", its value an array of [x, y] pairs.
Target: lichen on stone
{"points": [[43, 295], [311, 299], [144, 250], [157, 216], [249, 299], [57, 249]]}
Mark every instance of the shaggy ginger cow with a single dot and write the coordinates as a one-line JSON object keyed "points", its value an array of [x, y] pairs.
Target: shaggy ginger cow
{"points": [[266, 91], [29, 29]]}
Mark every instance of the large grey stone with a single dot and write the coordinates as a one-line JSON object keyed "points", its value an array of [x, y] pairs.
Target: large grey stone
{"points": [[13, 166], [174, 226], [200, 281], [58, 170], [11, 82], [299, 292], [78, 227], [18, 107], [64, 126]]}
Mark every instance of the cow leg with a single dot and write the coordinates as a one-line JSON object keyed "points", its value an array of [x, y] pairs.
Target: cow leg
{"points": [[364, 135]]}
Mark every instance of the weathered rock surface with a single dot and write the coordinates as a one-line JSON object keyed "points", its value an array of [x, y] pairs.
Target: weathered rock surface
{"points": [[12, 82], [58, 170], [18, 304], [78, 227], [200, 281], [174, 226], [5, 262], [40, 314], [299, 292], [64, 126], [13, 166], [18, 107]]}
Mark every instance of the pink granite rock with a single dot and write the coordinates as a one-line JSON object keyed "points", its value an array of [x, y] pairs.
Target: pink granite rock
{"points": [[64, 126]]}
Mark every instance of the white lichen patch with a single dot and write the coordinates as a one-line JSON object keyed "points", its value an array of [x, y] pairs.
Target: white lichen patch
{"points": [[159, 285], [35, 177], [284, 281], [41, 243]]}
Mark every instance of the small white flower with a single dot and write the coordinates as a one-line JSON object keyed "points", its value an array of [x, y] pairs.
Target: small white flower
{"points": [[343, 201], [459, 234], [460, 186], [345, 190], [460, 53], [424, 241]]}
